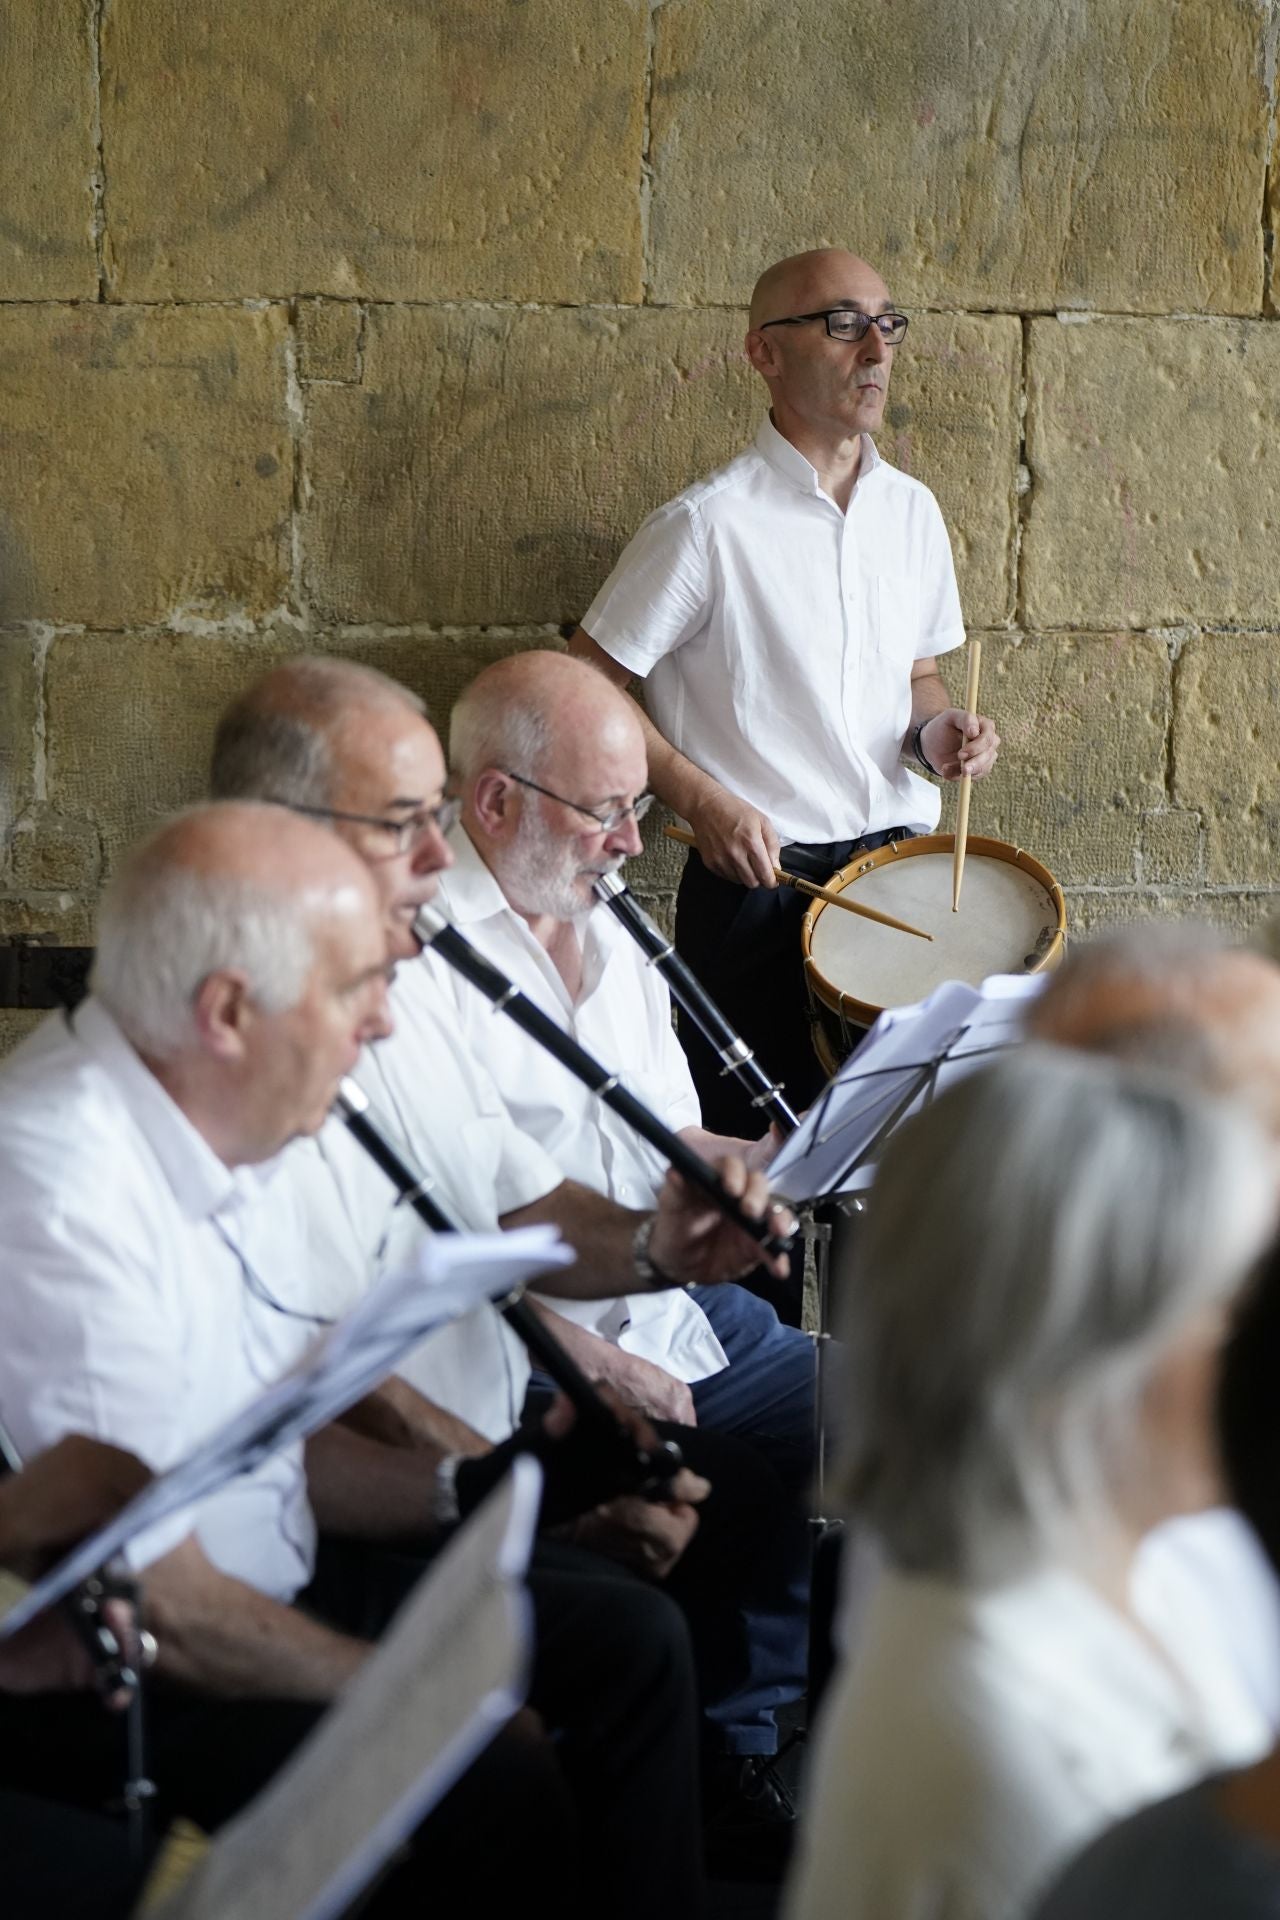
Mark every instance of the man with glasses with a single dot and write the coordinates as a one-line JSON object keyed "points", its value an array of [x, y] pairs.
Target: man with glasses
{"points": [[550, 762], [332, 738], [786, 615]]}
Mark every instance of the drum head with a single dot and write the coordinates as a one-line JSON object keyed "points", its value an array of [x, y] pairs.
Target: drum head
{"points": [[1010, 921]]}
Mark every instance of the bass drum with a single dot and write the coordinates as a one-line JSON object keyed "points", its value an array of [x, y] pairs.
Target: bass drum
{"points": [[1012, 919]]}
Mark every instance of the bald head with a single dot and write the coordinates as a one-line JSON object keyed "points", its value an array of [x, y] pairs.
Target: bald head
{"points": [[284, 738], [809, 282], [546, 719], [239, 887], [541, 710], [1176, 999]]}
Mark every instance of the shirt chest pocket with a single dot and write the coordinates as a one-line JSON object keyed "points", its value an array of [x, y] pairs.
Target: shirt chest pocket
{"points": [[895, 615]]}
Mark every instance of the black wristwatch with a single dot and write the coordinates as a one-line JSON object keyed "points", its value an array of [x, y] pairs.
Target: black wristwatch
{"points": [[917, 751]]}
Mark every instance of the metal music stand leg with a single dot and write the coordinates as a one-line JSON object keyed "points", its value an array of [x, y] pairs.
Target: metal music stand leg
{"points": [[139, 1788], [822, 1526]]}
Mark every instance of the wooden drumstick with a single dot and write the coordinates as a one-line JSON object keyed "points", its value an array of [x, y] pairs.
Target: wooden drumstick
{"points": [[966, 780], [815, 892]]}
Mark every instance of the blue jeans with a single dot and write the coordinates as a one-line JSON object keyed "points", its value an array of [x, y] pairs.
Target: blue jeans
{"points": [[765, 1395]]}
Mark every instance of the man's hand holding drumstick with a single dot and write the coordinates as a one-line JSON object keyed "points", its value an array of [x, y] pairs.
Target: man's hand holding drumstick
{"points": [[734, 838], [964, 742]]}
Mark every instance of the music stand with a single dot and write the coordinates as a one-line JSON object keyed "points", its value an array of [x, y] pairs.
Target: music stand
{"points": [[907, 1056], [443, 1681]]}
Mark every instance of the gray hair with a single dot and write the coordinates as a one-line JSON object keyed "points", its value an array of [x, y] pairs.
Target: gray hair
{"points": [[164, 928], [275, 741], [489, 727], [1036, 1238]]}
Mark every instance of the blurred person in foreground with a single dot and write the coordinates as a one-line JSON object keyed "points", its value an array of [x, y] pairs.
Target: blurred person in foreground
{"points": [[1180, 999], [1214, 1849], [1029, 1371]]}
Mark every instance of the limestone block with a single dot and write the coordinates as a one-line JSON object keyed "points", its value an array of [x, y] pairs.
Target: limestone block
{"points": [[1226, 751], [47, 919], [50, 851], [661, 907], [1155, 465], [1105, 153], [16, 1023], [145, 462], [131, 717], [46, 154], [1233, 916], [407, 152], [1082, 722], [655, 873], [19, 711], [953, 421], [1172, 848], [329, 340], [131, 720], [491, 465]]}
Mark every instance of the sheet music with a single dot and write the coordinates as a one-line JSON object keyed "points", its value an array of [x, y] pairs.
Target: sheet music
{"points": [[908, 1055], [448, 1675], [451, 1275]]}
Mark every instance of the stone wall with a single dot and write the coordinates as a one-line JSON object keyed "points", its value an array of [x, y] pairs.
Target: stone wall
{"points": [[378, 329]]}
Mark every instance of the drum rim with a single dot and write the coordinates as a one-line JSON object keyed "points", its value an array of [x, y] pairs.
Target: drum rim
{"points": [[863, 1012]]}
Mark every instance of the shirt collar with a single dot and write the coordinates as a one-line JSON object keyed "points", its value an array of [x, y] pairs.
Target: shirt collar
{"points": [[468, 889], [471, 894], [788, 460], [201, 1182]]}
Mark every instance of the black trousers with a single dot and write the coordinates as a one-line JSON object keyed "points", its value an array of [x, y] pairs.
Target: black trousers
{"points": [[62, 1861], [743, 943], [737, 1581], [578, 1810]]}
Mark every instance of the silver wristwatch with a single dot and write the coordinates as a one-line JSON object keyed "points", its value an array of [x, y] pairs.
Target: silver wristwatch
{"points": [[651, 1278]]}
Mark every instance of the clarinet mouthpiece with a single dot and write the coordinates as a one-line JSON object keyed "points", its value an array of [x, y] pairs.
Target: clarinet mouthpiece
{"points": [[429, 925], [350, 1100]]}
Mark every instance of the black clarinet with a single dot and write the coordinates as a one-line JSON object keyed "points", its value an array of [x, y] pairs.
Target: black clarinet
{"points": [[688, 993], [435, 931], [83, 1607], [656, 1469]]}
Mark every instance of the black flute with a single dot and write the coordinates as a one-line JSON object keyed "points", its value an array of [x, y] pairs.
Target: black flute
{"points": [[688, 992], [435, 931], [656, 1469]]}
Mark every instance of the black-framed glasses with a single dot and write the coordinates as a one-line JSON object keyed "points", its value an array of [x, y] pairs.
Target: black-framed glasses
{"points": [[608, 821], [406, 833], [846, 323]]}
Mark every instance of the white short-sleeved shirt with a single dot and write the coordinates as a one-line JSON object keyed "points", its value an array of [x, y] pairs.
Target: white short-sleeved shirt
{"points": [[776, 635], [974, 1741], [125, 1311], [622, 1017], [440, 1104]]}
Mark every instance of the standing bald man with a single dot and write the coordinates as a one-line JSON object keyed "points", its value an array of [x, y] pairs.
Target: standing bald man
{"points": [[786, 615]]}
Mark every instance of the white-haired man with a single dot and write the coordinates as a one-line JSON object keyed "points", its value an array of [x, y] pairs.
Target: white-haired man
{"points": [[785, 615], [337, 740], [154, 1286], [549, 759]]}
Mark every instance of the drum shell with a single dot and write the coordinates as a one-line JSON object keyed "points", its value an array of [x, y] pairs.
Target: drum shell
{"points": [[839, 1015]]}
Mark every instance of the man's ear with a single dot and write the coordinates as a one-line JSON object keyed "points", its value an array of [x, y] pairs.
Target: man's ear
{"points": [[492, 801], [223, 1011], [758, 348]]}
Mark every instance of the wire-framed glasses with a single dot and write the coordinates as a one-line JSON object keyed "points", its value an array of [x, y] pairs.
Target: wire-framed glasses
{"points": [[405, 833], [608, 819]]}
